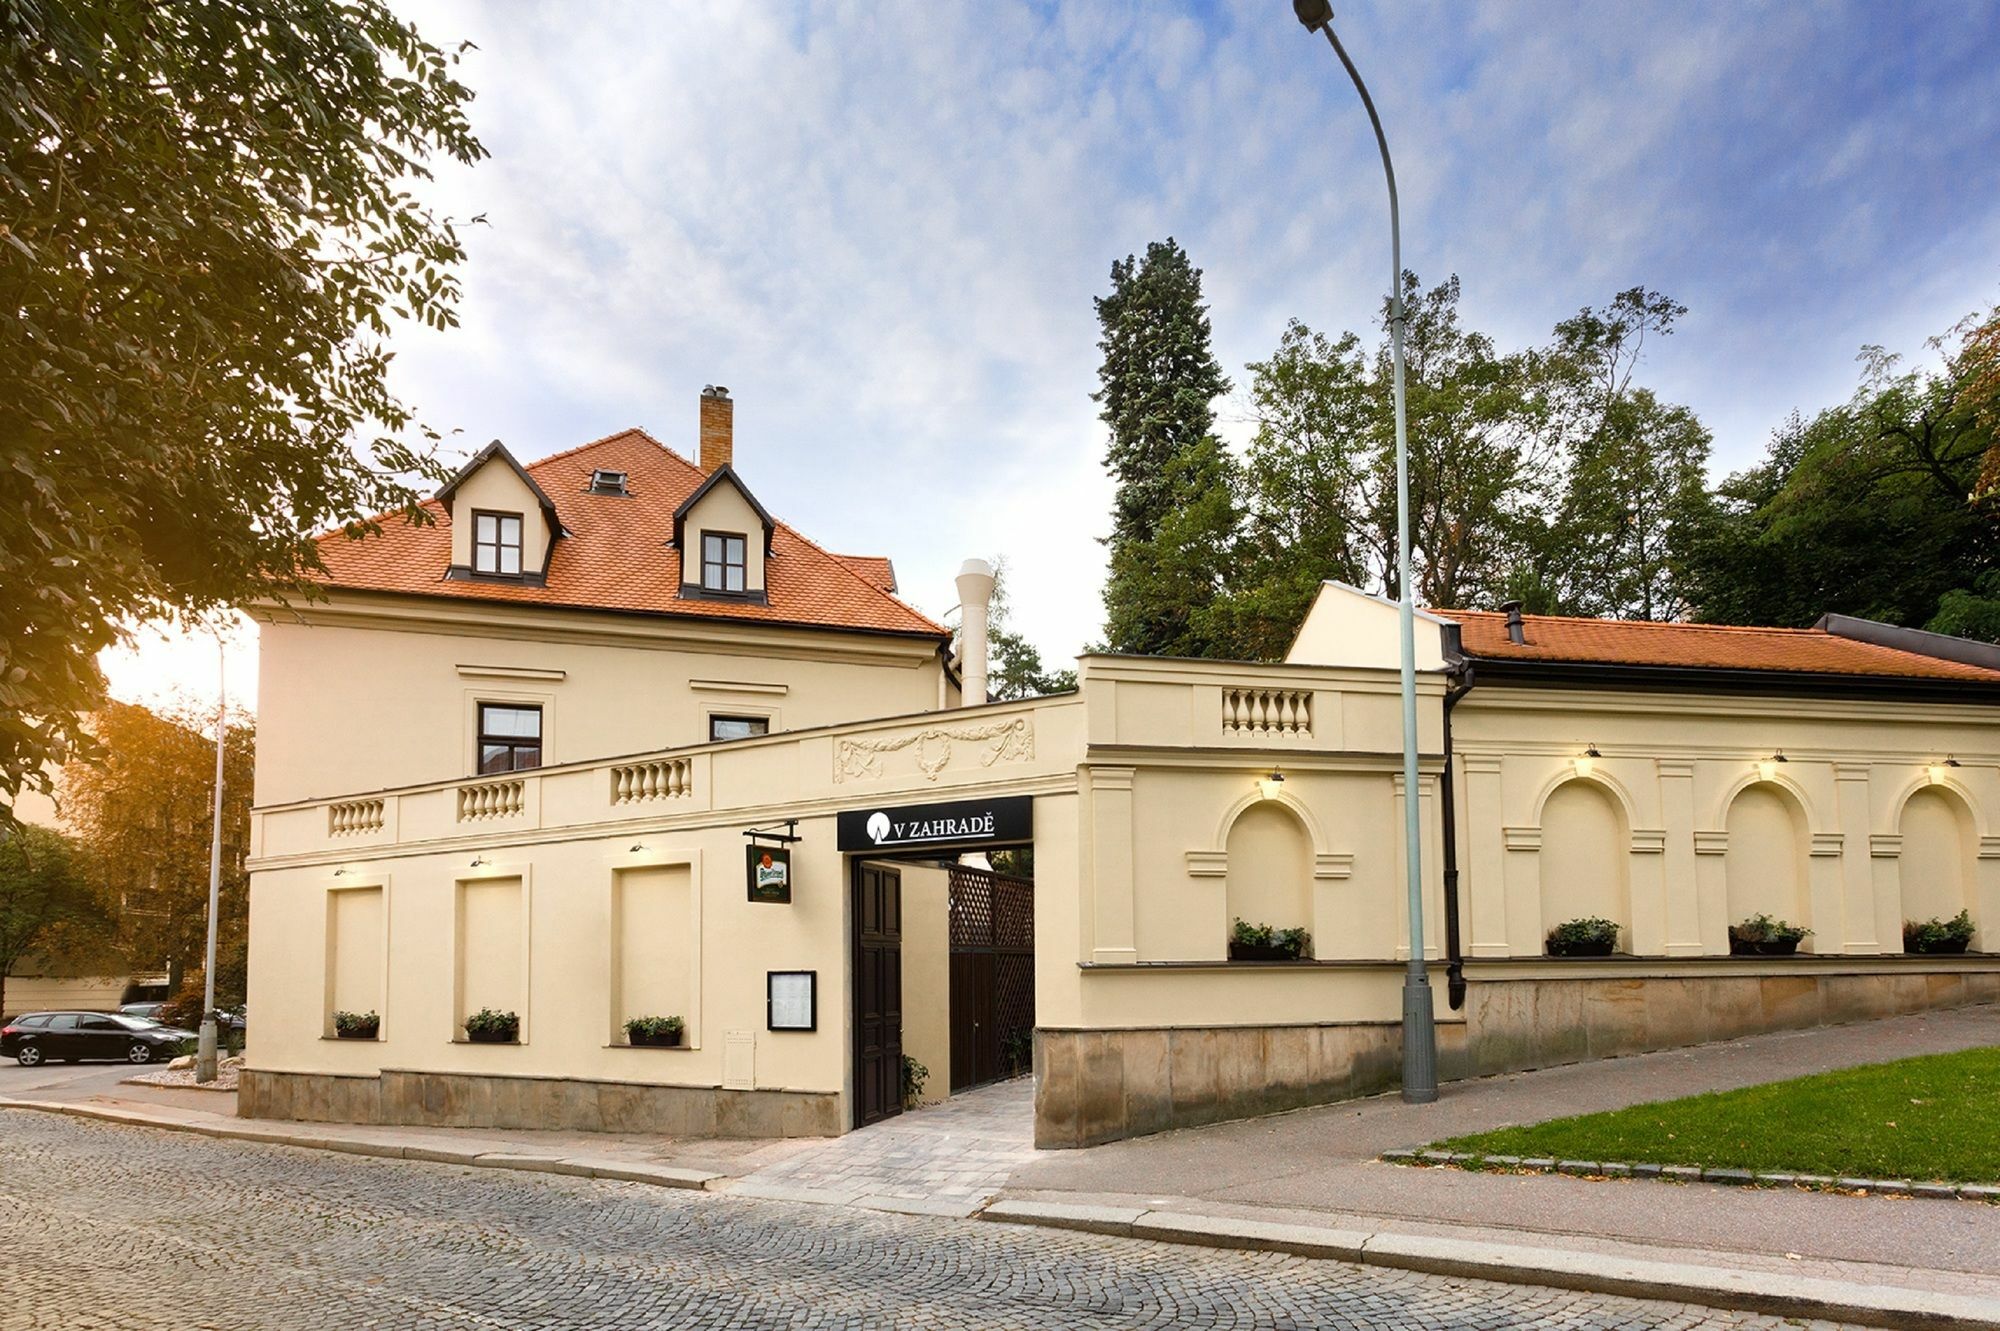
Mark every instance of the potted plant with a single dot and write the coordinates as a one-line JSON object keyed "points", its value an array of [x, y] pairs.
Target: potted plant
{"points": [[657, 1032], [1762, 936], [1583, 938], [492, 1026], [1935, 935], [1260, 942], [356, 1025], [915, 1075]]}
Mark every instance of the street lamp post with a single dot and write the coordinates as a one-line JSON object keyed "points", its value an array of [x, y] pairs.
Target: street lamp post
{"points": [[1420, 1082], [204, 1059]]}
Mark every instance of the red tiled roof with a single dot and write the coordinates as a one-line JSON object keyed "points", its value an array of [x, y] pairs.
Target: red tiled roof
{"points": [[1637, 642], [617, 554], [876, 568]]}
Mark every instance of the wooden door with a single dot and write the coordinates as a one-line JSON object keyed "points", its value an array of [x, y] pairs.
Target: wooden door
{"points": [[878, 993]]}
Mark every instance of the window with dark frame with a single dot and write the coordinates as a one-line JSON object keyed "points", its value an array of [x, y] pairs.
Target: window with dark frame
{"points": [[738, 727], [496, 544], [723, 566], [510, 737]]}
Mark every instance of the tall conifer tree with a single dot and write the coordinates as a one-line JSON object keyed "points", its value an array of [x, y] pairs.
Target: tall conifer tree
{"points": [[1174, 518]]}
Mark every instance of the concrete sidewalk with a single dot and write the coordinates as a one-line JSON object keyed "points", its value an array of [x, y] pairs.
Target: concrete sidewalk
{"points": [[1320, 1167]]}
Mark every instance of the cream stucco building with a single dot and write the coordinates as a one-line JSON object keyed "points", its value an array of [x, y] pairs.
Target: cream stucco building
{"points": [[529, 765]]}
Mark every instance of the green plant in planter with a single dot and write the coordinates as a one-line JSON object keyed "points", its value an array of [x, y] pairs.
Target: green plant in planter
{"points": [[1590, 937], [660, 1031], [1017, 1051], [492, 1026], [1935, 935], [1261, 942], [1760, 935], [915, 1075], [356, 1025]]}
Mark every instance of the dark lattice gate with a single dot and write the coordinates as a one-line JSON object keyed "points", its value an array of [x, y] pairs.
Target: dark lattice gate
{"points": [[992, 976]]}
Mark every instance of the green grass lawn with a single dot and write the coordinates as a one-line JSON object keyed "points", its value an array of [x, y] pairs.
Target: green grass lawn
{"points": [[1936, 1117]]}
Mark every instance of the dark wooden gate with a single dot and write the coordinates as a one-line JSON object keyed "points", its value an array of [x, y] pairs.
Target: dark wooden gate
{"points": [[992, 976], [878, 993]]}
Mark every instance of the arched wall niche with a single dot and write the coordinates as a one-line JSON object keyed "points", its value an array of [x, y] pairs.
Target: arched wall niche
{"points": [[1939, 850], [1765, 867], [1270, 867], [1585, 856]]}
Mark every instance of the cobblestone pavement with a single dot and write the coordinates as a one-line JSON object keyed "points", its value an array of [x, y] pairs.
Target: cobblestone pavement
{"points": [[114, 1227], [953, 1156]]}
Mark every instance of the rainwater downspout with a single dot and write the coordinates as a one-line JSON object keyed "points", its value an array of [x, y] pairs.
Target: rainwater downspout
{"points": [[1461, 685]]}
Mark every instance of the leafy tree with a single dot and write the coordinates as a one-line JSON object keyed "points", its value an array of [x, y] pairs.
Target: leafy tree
{"points": [[1174, 517], [1874, 508], [208, 228], [1634, 469], [144, 814], [1319, 493], [1014, 666], [46, 904]]}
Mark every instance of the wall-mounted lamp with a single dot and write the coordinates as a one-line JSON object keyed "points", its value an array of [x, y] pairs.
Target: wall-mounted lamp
{"points": [[1938, 769], [1273, 785], [339, 873], [637, 846], [478, 860], [1586, 762], [1768, 768]]}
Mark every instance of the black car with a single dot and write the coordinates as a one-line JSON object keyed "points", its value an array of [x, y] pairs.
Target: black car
{"points": [[67, 1037]]}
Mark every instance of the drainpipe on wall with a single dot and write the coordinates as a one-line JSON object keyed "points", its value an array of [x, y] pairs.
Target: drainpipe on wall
{"points": [[975, 597], [1448, 809]]}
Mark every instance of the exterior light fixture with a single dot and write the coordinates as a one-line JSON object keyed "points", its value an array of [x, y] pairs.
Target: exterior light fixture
{"points": [[478, 860], [637, 846], [1272, 785], [1768, 768], [1938, 769], [1586, 762]]}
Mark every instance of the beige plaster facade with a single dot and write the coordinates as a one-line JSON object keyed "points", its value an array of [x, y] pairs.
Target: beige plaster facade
{"points": [[598, 888]]}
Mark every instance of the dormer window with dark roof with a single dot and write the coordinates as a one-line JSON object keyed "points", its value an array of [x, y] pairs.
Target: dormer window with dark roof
{"points": [[724, 563], [496, 544], [607, 482]]}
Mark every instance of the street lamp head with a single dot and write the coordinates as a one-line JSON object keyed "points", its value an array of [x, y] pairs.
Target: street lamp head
{"points": [[1315, 14]]}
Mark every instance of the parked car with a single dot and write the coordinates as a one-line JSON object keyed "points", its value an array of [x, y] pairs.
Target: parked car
{"points": [[68, 1037], [150, 1011]]}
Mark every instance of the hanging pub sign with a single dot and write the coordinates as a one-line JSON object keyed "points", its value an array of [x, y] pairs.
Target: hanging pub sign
{"points": [[770, 873], [998, 821]]}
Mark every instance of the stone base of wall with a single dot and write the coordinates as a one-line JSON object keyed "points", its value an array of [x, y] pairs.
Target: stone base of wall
{"points": [[1100, 1086], [469, 1100]]}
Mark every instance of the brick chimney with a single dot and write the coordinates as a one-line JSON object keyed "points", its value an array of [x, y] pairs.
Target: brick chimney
{"points": [[718, 432]]}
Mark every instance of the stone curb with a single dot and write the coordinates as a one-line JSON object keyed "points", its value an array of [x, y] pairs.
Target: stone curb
{"points": [[1743, 1178], [661, 1176], [1730, 1288]]}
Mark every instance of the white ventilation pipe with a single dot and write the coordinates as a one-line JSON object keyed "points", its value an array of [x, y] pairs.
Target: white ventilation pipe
{"points": [[975, 599]]}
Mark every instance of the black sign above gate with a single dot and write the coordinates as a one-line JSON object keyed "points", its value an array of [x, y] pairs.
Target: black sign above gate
{"points": [[985, 822]]}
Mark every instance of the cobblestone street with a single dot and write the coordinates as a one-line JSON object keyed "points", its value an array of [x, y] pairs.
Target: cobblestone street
{"points": [[115, 1227]]}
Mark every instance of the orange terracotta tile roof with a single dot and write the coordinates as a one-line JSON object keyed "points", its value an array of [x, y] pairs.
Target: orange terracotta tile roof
{"points": [[1632, 642], [617, 553], [876, 568]]}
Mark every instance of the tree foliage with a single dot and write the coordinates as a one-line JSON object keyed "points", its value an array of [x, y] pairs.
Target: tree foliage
{"points": [[1874, 508], [144, 815], [1174, 516], [47, 907], [206, 229]]}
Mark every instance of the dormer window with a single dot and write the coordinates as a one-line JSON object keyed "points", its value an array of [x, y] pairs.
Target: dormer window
{"points": [[496, 544], [723, 563], [607, 482]]}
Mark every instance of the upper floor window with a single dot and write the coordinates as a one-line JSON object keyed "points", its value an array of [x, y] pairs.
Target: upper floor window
{"points": [[496, 543], [510, 737], [738, 727], [722, 563]]}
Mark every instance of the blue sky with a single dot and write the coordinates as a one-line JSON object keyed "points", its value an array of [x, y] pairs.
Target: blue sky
{"points": [[881, 225]]}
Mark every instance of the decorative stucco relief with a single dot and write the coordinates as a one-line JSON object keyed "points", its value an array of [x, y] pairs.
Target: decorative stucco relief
{"points": [[934, 748]]}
